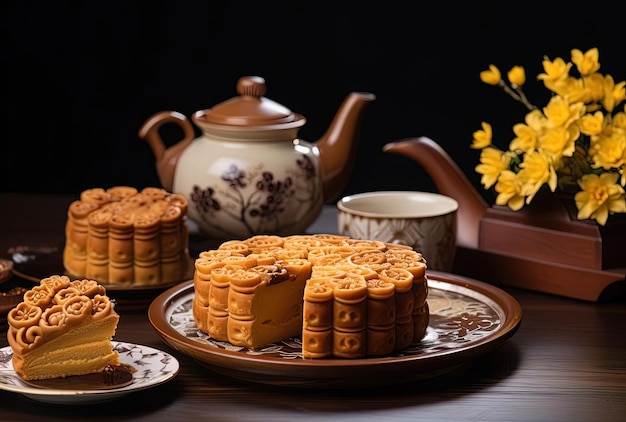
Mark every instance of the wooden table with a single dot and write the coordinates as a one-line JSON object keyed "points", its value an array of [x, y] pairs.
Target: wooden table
{"points": [[567, 362]]}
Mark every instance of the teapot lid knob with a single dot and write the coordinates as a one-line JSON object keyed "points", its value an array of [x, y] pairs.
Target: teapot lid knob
{"points": [[251, 86], [250, 109]]}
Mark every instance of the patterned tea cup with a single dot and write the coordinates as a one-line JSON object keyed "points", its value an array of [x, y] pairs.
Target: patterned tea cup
{"points": [[425, 221]]}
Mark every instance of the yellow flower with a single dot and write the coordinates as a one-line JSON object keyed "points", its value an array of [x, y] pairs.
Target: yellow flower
{"points": [[571, 88], [591, 124], [525, 139], [594, 88], [618, 92], [535, 172], [482, 138], [576, 141], [613, 93], [609, 151], [527, 135], [561, 113], [517, 76], [600, 195], [559, 142], [536, 120], [619, 118], [492, 163], [509, 191], [555, 71], [491, 76], [586, 63]]}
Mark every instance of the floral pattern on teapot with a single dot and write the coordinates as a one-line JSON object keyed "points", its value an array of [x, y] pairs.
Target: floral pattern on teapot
{"points": [[270, 205]]}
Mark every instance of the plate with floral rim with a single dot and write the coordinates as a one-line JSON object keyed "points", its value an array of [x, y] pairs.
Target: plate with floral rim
{"points": [[468, 318], [157, 367]]}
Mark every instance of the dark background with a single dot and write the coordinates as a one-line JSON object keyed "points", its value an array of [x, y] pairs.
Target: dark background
{"points": [[82, 77]]}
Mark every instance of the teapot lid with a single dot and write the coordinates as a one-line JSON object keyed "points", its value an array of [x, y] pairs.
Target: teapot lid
{"points": [[251, 108]]}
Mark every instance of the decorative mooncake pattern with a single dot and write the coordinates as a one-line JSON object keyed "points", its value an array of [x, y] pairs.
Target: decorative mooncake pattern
{"points": [[49, 308]]}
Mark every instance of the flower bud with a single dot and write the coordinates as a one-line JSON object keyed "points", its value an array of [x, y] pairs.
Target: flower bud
{"points": [[517, 76], [491, 76]]}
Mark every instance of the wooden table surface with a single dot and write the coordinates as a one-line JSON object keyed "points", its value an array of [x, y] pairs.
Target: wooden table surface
{"points": [[567, 362]]}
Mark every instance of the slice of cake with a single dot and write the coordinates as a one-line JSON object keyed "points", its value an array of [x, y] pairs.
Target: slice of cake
{"points": [[62, 328], [265, 302], [122, 236], [346, 298]]}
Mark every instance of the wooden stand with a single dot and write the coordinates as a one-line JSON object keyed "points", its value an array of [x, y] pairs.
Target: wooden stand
{"points": [[544, 248]]}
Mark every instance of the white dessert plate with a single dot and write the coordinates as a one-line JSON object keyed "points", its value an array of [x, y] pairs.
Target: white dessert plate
{"points": [[468, 318], [154, 367]]}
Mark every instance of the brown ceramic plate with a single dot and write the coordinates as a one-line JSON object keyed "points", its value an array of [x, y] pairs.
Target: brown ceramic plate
{"points": [[468, 318]]}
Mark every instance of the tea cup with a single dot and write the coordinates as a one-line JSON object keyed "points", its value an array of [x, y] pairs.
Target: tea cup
{"points": [[425, 221]]}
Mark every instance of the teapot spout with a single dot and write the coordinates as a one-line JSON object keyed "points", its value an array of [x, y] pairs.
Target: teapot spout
{"points": [[338, 144], [450, 181]]}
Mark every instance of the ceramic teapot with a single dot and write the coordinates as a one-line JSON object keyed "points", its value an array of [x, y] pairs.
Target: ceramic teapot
{"points": [[248, 172]]}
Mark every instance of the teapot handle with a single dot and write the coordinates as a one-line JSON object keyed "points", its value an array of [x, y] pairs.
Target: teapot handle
{"points": [[166, 158]]}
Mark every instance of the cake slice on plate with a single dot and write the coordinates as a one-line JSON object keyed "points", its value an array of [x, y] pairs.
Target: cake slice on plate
{"points": [[63, 328]]}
